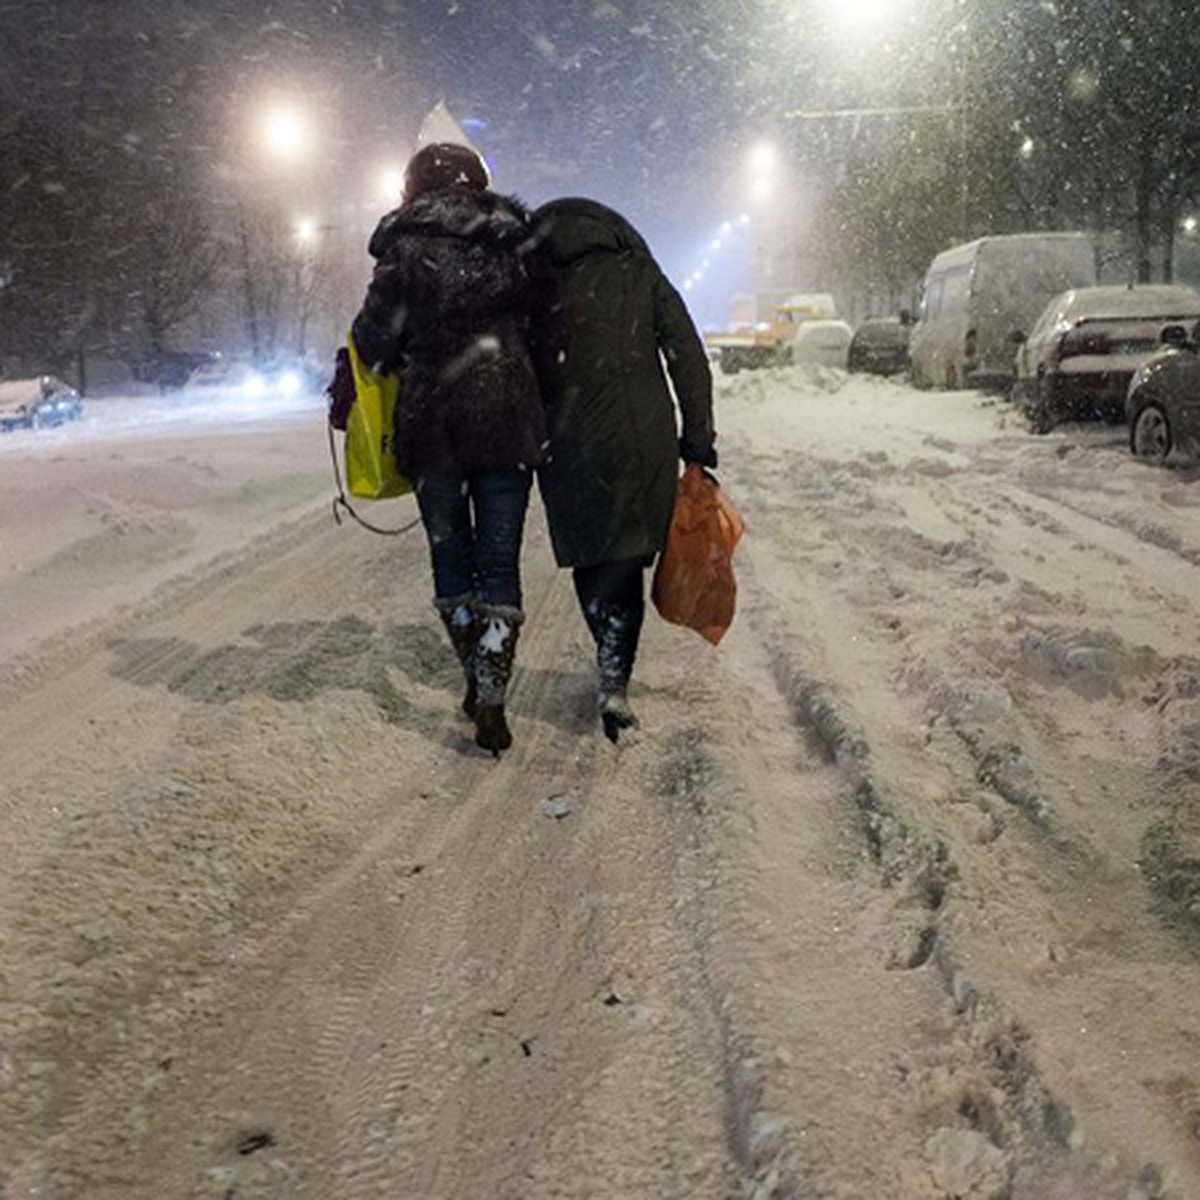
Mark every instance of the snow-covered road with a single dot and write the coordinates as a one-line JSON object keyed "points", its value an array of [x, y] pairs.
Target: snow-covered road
{"points": [[894, 895]]}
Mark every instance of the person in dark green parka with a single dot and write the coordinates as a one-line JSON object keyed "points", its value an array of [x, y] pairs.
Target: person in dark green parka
{"points": [[606, 323]]}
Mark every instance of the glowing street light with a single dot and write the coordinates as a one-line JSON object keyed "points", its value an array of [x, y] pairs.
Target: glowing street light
{"points": [[283, 132], [763, 158], [391, 186], [306, 231], [771, 192], [858, 17], [764, 163]]}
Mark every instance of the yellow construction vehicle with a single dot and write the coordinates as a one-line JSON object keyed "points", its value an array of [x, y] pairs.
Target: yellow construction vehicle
{"points": [[749, 344]]}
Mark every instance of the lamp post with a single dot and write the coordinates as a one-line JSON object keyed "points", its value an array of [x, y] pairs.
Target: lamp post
{"points": [[306, 245], [284, 134], [775, 243], [274, 252]]}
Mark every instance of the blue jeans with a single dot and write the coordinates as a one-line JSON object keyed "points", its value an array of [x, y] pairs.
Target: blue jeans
{"points": [[474, 525]]}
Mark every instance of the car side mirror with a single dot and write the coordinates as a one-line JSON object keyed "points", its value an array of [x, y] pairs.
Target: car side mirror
{"points": [[1018, 337]]}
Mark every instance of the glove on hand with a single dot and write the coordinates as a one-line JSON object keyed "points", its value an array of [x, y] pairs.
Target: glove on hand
{"points": [[341, 390]]}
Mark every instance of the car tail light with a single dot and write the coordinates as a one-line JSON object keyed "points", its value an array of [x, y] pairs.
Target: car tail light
{"points": [[1082, 340]]}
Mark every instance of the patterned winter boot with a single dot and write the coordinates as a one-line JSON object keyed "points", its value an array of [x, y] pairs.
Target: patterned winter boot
{"points": [[458, 615], [616, 630], [495, 648]]}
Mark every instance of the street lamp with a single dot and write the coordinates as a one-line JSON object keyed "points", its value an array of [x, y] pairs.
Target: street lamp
{"points": [[283, 133], [763, 158], [391, 186], [764, 168], [775, 246], [857, 17]]}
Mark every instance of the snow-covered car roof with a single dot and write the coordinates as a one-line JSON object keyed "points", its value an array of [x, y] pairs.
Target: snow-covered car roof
{"points": [[824, 331], [890, 329], [1148, 300]]}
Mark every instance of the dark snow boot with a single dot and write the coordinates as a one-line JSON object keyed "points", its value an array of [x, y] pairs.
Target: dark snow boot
{"points": [[615, 714], [499, 626], [462, 624], [616, 629]]}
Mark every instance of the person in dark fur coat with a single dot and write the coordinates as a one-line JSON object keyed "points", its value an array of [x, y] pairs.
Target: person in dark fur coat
{"points": [[447, 308], [606, 323]]}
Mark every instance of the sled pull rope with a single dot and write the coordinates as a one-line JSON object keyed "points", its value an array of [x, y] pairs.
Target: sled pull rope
{"points": [[341, 502]]}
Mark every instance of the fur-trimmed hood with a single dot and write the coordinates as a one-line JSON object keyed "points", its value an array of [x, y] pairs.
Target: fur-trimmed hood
{"points": [[457, 212]]}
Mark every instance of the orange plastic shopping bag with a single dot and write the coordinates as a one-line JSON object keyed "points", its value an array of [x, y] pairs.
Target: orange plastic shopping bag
{"points": [[694, 584]]}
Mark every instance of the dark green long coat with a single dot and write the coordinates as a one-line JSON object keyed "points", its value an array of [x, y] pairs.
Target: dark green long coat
{"points": [[606, 322]]}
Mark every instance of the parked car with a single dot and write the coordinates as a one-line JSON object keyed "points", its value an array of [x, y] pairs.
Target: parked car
{"points": [[880, 346], [824, 341], [40, 403], [975, 295], [1079, 357], [1163, 401]]}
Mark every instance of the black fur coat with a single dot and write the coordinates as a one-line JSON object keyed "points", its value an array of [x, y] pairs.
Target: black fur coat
{"points": [[448, 308]]}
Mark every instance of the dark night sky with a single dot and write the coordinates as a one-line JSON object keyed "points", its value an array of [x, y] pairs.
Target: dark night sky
{"points": [[649, 105], [642, 105]]}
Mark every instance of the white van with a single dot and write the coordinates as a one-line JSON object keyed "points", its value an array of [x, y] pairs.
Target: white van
{"points": [[976, 296]]}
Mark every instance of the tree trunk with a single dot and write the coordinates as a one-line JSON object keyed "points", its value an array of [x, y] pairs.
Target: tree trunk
{"points": [[249, 292], [1143, 225], [1168, 224]]}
